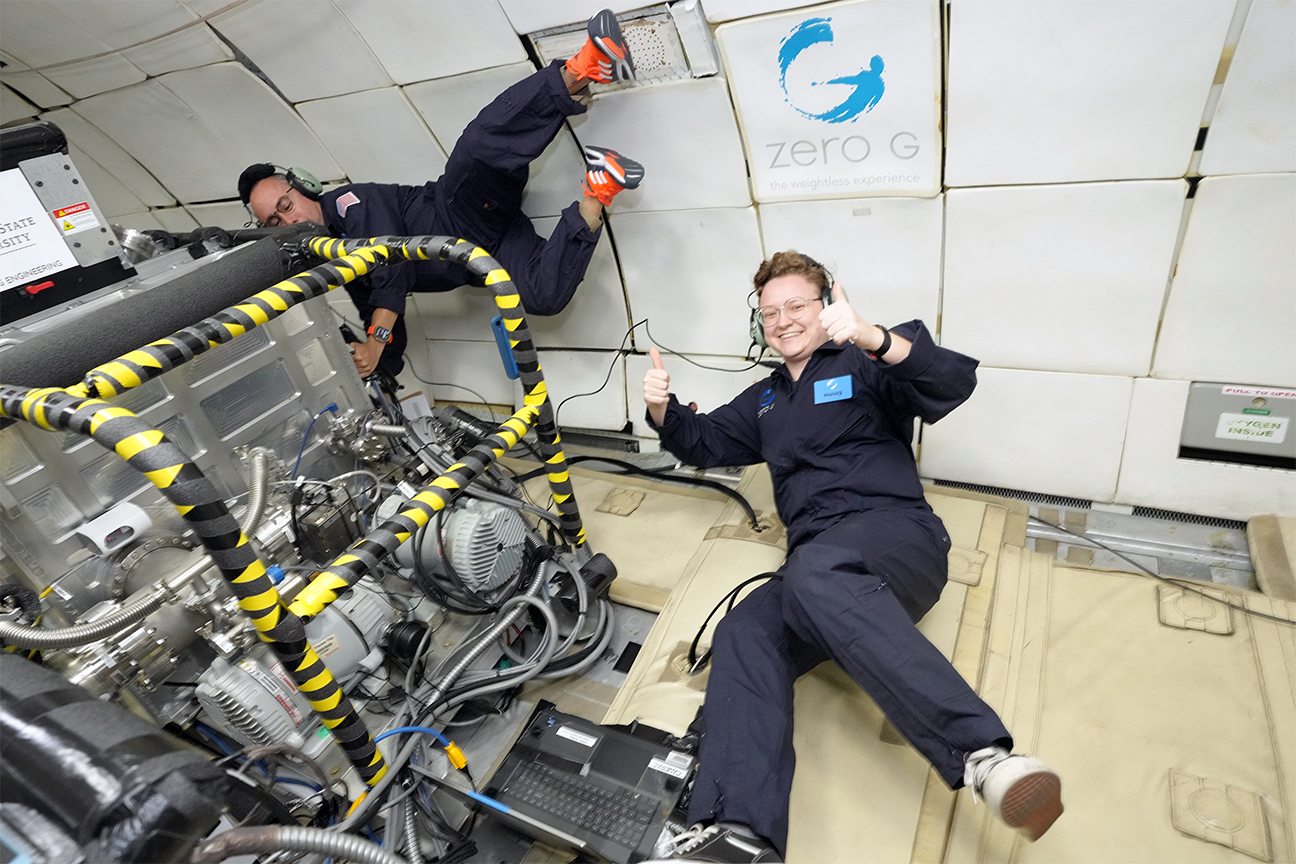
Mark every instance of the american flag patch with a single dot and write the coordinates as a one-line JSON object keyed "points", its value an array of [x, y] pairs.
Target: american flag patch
{"points": [[345, 201]]}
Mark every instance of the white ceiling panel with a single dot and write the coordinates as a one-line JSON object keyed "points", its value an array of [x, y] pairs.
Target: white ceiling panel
{"points": [[709, 388], [391, 145], [886, 252], [222, 214], [1065, 278], [463, 314], [1045, 432], [10, 63], [1254, 127], [449, 105], [595, 380], [1231, 316], [175, 219], [528, 16], [95, 76], [206, 7], [123, 23], [728, 10], [458, 37], [38, 33], [188, 49], [596, 316], [1152, 475], [1072, 90], [475, 368], [704, 167], [14, 107], [307, 48], [138, 221], [689, 272], [207, 125], [111, 157], [112, 196], [38, 89], [684, 134]]}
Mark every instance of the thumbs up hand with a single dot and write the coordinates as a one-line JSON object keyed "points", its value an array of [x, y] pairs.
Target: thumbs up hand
{"points": [[841, 320], [656, 388]]}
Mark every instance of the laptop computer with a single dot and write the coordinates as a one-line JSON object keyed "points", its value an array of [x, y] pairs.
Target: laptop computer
{"points": [[595, 789]]}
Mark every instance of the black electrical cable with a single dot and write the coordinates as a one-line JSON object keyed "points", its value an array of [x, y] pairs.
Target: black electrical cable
{"points": [[694, 362], [606, 378], [1160, 578], [660, 474], [696, 663]]}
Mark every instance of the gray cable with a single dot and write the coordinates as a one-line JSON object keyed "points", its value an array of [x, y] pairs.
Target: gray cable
{"points": [[275, 838], [258, 477], [412, 851]]}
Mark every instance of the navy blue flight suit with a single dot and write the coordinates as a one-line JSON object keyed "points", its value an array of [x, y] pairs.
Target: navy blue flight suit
{"points": [[479, 198], [866, 560]]}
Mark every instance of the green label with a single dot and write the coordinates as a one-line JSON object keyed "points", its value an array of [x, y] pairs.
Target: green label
{"points": [[322, 732], [1263, 411]]}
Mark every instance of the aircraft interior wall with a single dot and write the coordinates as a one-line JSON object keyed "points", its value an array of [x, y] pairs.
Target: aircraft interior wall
{"points": [[1106, 210]]}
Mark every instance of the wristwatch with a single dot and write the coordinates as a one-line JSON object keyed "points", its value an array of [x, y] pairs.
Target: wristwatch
{"points": [[382, 334], [886, 343]]}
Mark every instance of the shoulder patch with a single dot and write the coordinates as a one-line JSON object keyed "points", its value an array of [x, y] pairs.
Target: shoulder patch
{"points": [[345, 201]]}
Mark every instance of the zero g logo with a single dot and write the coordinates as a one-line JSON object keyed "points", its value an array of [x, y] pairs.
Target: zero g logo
{"points": [[867, 86], [766, 401]]}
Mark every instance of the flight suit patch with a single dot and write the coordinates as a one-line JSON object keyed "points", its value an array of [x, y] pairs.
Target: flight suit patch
{"points": [[832, 389]]}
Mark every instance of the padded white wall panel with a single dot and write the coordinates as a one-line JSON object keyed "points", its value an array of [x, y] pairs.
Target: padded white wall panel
{"points": [[307, 48], [718, 11], [1152, 475], [175, 219], [596, 316], [684, 134], [206, 7], [95, 76], [37, 89], [1254, 127], [11, 63], [14, 107], [600, 374], [38, 33], [223, 214], [1067, 278], [376, 136], [689, 272], [122, 24], [461, 315], [1070, 90], [448, 105], [109, 193], [111, 157], [886, 252], [528, 16], [415, 40], [709, 388], [206, 125], [190, 48], [1231, 316], [138, 221], [472, 365], [1048, 432]]}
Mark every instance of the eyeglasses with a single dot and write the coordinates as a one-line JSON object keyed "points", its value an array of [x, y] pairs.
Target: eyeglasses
{"points": [[794, 307], [285, 205]]}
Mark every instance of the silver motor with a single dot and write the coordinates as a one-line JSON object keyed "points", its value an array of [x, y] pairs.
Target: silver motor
{"points": [[484, 542]]}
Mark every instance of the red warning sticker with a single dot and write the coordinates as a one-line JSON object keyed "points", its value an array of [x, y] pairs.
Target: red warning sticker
{"points": [[78, 217]]}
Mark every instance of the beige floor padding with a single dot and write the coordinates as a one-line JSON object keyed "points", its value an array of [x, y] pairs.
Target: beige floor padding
{"points": [[858, 794]]}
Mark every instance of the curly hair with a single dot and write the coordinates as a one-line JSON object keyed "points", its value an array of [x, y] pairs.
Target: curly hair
{"points": [[791, 263]]}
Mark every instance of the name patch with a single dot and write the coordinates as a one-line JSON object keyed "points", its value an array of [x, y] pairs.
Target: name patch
{"points": [[832, 389]]}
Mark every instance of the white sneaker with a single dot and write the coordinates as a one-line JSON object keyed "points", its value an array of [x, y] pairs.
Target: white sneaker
{"points": [[1022, 791]]}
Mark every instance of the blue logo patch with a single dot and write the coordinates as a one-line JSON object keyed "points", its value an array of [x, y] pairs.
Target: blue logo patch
{"points": [[832, 389], [867, 84], [767, 397]]}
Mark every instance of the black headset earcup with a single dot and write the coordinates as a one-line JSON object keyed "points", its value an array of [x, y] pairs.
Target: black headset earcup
{"points": [[304, 182]]}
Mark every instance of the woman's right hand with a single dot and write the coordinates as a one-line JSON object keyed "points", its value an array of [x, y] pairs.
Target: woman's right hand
{"points": [[656, 388]]}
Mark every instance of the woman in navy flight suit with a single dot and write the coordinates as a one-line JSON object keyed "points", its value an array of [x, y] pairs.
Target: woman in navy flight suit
{"points": [[866, 559]]}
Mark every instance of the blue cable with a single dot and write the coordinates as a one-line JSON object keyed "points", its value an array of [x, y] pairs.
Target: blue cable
{"points": [[294, 781], [427, 730], [332, 406]]}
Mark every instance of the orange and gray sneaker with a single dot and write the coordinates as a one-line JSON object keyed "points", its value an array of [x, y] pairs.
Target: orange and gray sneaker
{"points": [[605, 57], [607, 172]]}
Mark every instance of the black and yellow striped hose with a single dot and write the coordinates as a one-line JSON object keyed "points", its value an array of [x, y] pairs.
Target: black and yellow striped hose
{"points": [[352, 565], [481, 265], [148, 451]]}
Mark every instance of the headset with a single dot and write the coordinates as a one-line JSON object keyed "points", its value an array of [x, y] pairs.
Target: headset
{"points": [[298, 178], [757, 329]]}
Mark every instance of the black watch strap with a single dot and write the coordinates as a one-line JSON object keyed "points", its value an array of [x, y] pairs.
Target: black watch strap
{"points": [[886, 343]]}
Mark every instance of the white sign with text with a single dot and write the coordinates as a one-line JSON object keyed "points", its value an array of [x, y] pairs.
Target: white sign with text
{"points": [[30, 245], [840, 100]]}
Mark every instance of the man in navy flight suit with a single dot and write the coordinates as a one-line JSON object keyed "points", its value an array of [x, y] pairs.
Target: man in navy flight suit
{"points": [[479, 198], [866, 559]]}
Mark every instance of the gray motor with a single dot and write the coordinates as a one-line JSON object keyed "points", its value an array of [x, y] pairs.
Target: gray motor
{"points": [[484, 542]]}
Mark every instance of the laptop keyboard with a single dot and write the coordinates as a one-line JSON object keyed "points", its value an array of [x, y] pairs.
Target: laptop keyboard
{"points": [[621, 816]]}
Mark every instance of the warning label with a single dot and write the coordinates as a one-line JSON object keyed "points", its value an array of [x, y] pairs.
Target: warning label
{"points": [[78, 217], [1269, 430]]}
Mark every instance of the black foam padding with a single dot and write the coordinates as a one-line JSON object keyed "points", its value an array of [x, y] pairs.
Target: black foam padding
{"points": [[20, 143], [59, 357]]}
